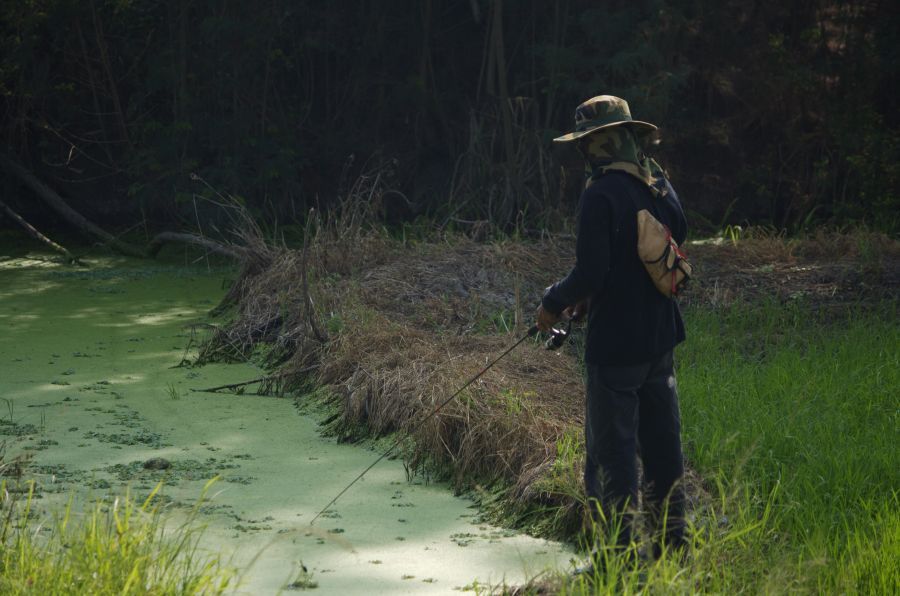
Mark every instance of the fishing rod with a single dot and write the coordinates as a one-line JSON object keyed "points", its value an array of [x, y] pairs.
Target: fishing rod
{"points": [[554, 342]]}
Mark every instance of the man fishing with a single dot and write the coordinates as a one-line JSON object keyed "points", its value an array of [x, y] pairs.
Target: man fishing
{"points": [[631, 398]]}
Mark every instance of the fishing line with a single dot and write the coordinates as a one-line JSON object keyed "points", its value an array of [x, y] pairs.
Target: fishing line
{"points": [[557, 338]]}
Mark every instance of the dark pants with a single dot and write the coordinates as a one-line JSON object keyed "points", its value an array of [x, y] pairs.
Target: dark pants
{"points": [[633, 411]]}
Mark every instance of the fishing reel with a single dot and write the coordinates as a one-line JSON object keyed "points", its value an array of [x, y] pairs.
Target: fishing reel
{"points": [[558, 336]]}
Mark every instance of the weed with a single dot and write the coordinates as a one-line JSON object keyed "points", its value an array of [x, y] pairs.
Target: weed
{"points": [[499, 321], [514, 401], [117, 548], [303, 580], [334, 324], [733, 234]]}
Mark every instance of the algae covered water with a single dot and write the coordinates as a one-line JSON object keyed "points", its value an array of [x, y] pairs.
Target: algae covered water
{"points": [[94, 395]]}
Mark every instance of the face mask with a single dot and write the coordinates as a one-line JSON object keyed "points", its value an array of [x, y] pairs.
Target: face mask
{"points": [[617, 149]]}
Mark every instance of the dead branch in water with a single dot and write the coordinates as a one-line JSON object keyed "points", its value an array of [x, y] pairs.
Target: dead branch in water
{"points": [[234, 385], [265, 379], [34, 233]]}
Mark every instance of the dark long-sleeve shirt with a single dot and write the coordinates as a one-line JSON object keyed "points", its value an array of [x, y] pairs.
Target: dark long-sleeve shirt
{"points": [[630, 321]]}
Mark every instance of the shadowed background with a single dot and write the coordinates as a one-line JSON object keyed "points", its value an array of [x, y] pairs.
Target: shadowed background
{"points": [[778, 113]]}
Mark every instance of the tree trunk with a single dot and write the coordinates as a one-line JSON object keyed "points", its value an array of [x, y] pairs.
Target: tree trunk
{"points": [[113, 88], [500, 72], [54, 201]]}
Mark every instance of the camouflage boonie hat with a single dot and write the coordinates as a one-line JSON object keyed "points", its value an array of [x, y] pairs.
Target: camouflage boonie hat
{"points": [[602, 112]]}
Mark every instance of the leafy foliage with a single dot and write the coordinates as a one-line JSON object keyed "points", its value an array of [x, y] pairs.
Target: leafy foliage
{"points": [[779, 113]]}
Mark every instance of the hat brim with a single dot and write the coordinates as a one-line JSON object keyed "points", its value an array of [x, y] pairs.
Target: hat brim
{"points": [[574, 136]]}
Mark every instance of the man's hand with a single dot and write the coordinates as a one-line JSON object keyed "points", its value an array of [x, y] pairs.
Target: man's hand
{"points": [[544, 319], [577, 312]]}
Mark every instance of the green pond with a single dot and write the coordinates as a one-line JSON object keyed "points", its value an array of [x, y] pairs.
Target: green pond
{"points": [[91, 390]]}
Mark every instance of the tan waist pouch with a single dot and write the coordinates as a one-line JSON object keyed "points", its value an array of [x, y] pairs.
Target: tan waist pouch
{"points": [[665, 262]]}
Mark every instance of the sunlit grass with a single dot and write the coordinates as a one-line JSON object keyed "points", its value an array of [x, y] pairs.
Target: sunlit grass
{"points": [[791, 419], [799, 401], [120, 547]]}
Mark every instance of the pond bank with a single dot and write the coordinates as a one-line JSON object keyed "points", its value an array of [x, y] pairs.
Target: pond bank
{"points": [[87, 359]]}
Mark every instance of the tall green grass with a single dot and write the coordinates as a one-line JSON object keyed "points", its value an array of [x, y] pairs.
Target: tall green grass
{"points": [[791, 418], [112, 548], [789, 399]]}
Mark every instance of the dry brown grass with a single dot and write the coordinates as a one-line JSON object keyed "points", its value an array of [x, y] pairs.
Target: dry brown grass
{"points": [[400, 329], [828, 269]]}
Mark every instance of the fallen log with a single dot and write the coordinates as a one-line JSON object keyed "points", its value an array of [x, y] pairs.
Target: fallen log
{"points": [[59, 205], [34, 233], [56, 202], [163, 238]]}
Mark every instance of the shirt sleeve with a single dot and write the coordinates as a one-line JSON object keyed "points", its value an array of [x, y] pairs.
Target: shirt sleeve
{"points": [[592, 248]]}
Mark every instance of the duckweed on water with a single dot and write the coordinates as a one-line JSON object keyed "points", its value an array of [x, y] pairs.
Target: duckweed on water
{"points": [[143, 437], [186, 469], [15, 429], [119, 393]]}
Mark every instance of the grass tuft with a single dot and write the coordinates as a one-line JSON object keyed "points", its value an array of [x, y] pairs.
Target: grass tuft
{"points": [[121, 547]]}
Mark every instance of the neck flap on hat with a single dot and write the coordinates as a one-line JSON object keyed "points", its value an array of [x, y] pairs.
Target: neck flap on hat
{"points": [[617, 149]]}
